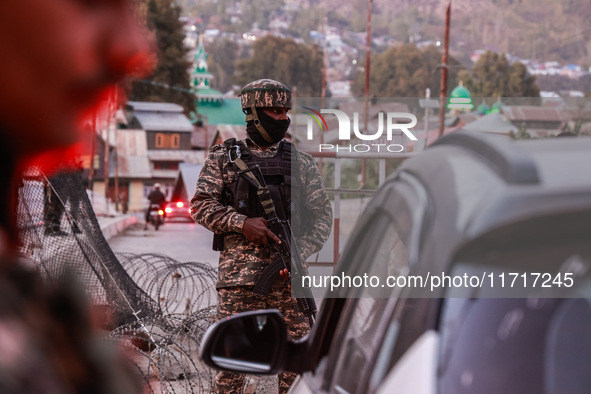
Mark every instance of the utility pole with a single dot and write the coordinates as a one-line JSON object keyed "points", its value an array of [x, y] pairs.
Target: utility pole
{"points": [[111, 125], [92, 151], [206, 132], [443, 91], [106, 165], [323, 92], [367, 66], [294, 125], [420, 145], [116, 162], [116, 151]]}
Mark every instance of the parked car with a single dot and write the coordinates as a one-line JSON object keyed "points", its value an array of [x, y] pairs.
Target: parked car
{"points": [[471, 204], [178, 210]]}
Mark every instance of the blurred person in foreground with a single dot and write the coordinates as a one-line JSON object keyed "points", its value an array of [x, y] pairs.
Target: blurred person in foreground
{"points": [[58, 59]]}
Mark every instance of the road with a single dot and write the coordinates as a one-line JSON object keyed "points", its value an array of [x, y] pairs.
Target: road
{"points": [[190, 242], [185, 242]]}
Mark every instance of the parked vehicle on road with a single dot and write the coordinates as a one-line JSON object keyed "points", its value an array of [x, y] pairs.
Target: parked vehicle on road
{"points": [[514, 215], [178, 210]]}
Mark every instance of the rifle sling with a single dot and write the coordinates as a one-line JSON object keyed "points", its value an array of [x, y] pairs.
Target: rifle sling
{"points": [[262, 192]]}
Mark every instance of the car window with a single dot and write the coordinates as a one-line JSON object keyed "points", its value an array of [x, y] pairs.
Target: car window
{"points": [[385, 247], [361, 341], [366, 318]]}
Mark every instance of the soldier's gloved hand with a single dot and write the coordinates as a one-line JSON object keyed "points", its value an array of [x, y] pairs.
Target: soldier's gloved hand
{"points": [[256, 230]]}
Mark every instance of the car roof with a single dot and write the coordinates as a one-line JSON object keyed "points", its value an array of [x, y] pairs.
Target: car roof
{"points": [[478, 182]]}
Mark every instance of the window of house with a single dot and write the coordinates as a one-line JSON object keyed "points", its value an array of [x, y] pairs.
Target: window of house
{"points": [[175, 141], [167, 141], [166, 165]]}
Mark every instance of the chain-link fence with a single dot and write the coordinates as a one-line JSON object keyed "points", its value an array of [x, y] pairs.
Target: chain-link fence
{"points": [[60, 232]]}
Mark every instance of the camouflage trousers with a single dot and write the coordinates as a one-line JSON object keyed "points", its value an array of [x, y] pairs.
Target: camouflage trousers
{"points": [[232, 300]]}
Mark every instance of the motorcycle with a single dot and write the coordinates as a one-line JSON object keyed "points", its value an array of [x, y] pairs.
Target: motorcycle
{"points": [[156, 215]]}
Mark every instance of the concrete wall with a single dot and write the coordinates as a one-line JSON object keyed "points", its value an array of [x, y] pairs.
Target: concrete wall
{"points": [[98, 200], [136, 195], [98, 187]]}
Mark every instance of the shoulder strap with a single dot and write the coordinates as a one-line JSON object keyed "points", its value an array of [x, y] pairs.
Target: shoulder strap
{"points": [[287, 150], [230, 142], [235, 152]]}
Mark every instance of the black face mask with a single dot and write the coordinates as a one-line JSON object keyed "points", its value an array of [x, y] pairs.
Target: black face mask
{"points": [[275, 128]]}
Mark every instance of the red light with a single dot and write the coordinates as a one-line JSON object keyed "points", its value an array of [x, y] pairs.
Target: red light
{"points": [[189, 210], [161, 212], [168, 210], [180, 204]]}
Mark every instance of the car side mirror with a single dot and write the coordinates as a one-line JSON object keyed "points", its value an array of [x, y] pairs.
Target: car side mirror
{"points": [[249, 342]]}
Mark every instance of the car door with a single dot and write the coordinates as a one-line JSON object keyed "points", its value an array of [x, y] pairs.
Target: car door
{"points": [[385, 245]]}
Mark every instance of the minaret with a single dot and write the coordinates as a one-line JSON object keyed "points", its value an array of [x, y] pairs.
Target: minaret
{"points": [[200, 77]]}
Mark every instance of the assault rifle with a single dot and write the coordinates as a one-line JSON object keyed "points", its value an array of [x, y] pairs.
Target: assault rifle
{"points": [[283, 253]]}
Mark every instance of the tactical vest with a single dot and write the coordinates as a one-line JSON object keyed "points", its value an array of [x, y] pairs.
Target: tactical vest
{"points": [[281, 180]]}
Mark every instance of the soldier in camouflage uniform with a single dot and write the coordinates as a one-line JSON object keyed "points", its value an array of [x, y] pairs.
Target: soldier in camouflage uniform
{"points": [[241, 232]]}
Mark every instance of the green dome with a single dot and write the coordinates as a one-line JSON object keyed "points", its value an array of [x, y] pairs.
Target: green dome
{"points": [[483, 109], [460, 92], [496, 107], [460, 99]]}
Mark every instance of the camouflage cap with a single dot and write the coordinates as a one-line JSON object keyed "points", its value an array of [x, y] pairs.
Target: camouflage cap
{"points": [[266, 93]]}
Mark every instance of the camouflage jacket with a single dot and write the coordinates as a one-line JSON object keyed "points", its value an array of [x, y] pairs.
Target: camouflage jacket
{"points": [[241, 261]]}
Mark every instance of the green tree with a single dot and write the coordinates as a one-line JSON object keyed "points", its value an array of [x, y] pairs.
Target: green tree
{"points": [[520, 83], [397, 72], [169, 81], [399, 30], [493, 76], [222, 56], [405, 71], [282, 59]]}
